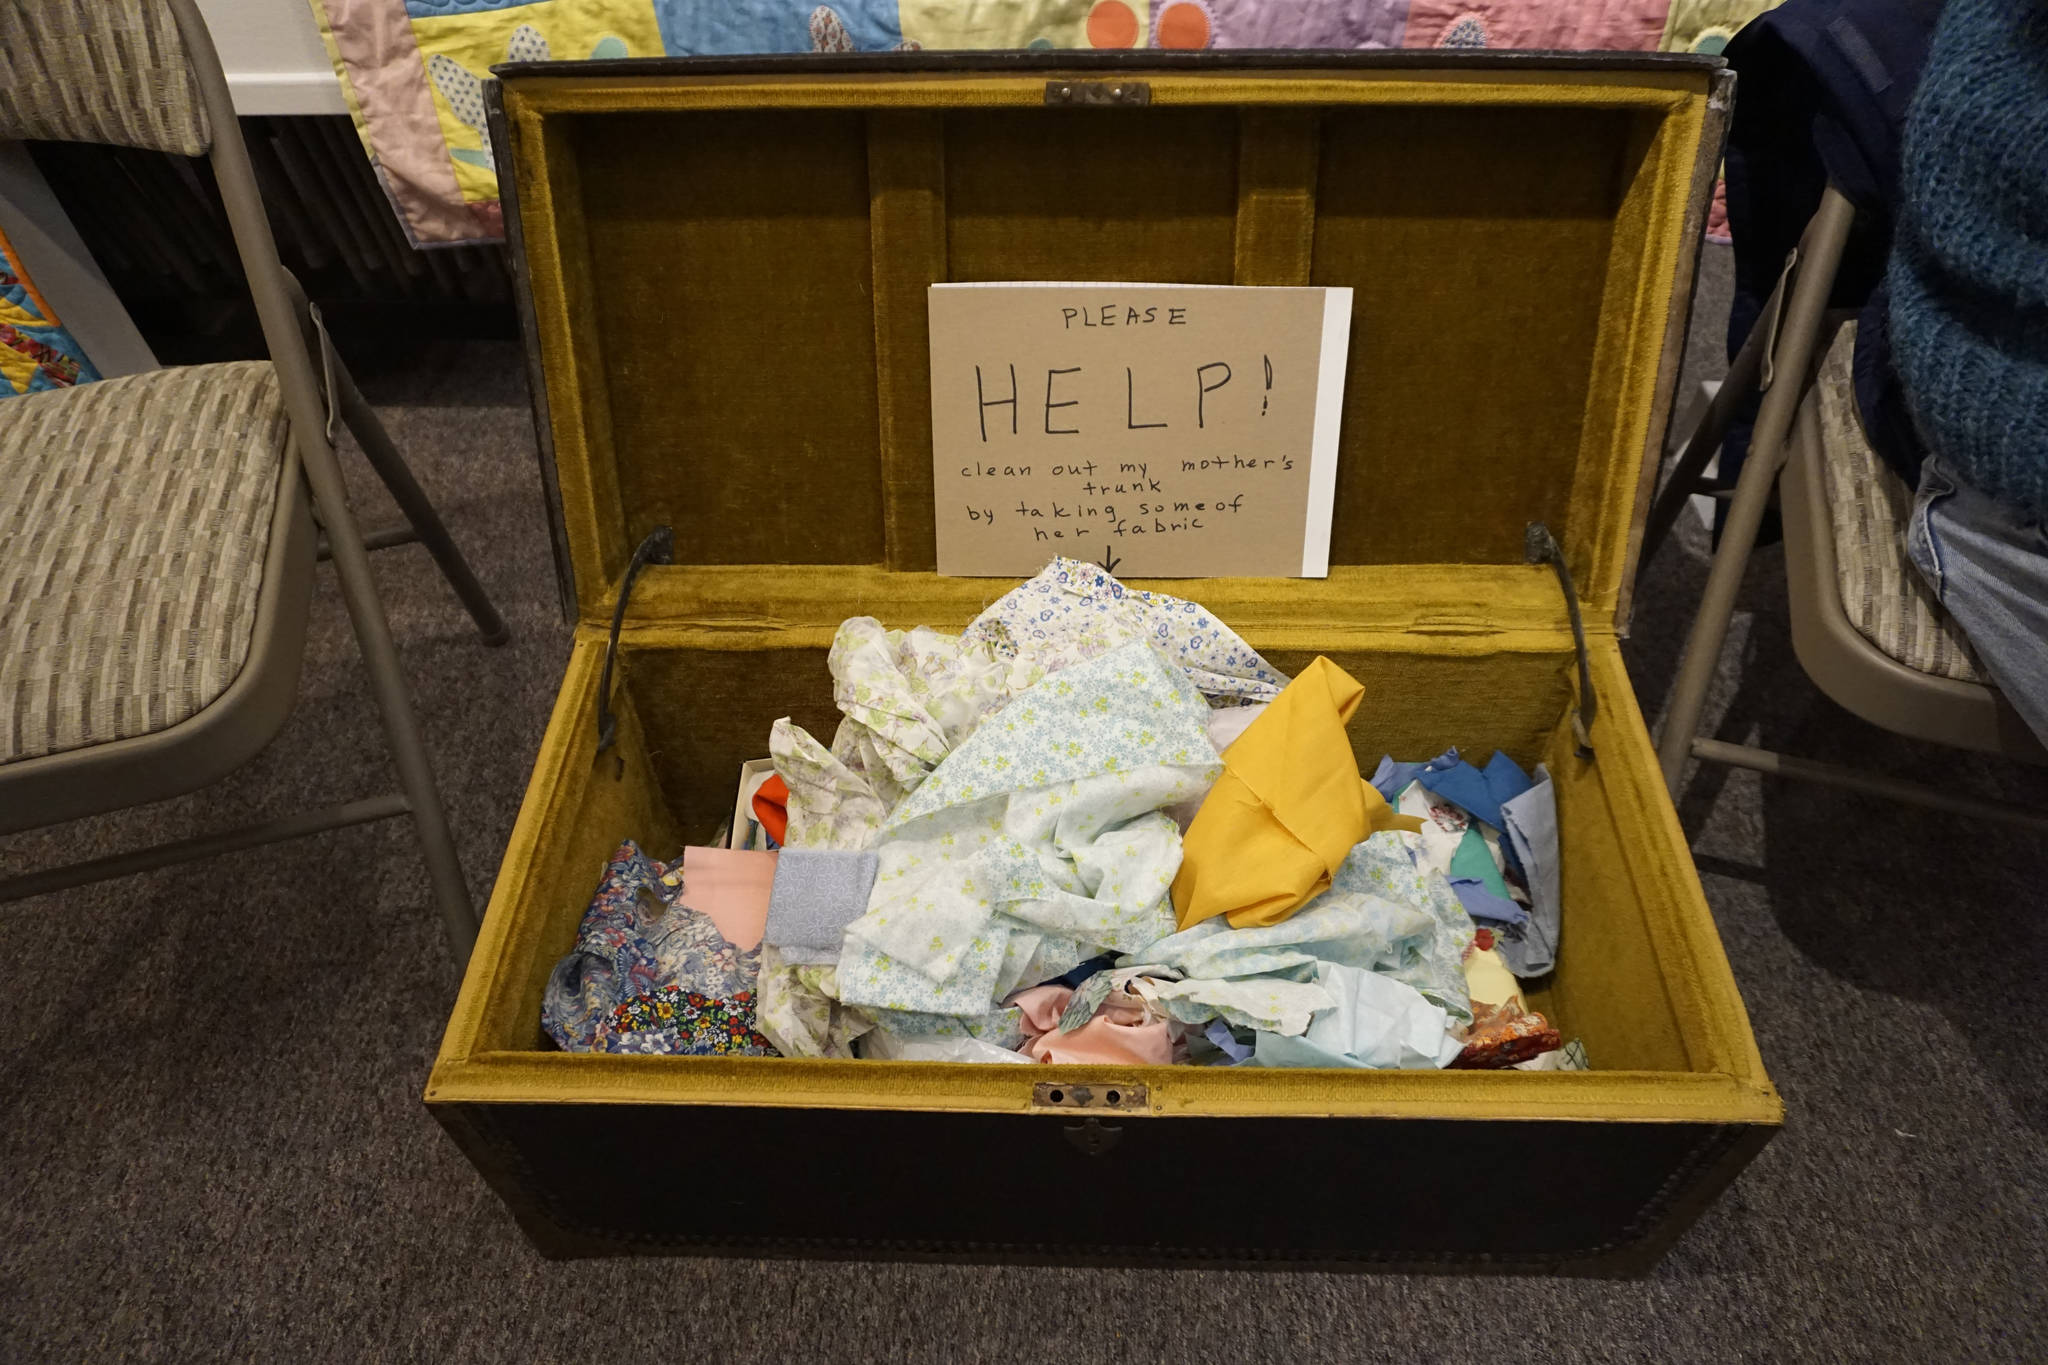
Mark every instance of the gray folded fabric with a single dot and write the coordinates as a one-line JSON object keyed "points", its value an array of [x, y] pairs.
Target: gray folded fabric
{"points": [[817, 893]]}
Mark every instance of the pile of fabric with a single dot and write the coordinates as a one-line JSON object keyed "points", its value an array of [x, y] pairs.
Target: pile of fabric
{"points": [[1096, 826]]}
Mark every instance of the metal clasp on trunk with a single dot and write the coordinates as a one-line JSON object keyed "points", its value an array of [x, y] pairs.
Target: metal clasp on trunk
{"points": [[1066, 1095], [1541, 547], [1093, 1137], [658, 548], [1098, 94]]}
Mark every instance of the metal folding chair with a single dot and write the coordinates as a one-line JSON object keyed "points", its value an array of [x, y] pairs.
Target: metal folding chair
{"points": [[158, 532], [1898, 662]]}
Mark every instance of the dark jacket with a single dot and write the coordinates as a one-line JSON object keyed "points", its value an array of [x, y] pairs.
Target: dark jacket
{"points": [[1822, 91]]}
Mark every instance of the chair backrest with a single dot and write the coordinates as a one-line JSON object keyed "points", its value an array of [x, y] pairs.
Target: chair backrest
{"points": [[111, 71]]}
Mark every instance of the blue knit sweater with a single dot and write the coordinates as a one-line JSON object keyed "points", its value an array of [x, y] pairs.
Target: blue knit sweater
{"points": [[1969, 267]]}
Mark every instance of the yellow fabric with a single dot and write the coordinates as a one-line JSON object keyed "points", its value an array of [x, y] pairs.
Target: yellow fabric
{"points": [[459, 49], [1289, 806]]}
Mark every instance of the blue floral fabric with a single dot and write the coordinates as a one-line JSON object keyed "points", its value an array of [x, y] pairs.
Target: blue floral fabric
{"points": [[649, 974]]}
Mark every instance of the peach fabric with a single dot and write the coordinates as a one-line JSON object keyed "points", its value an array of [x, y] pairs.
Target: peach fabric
{"points": [[1123, 1031], [375, 48], [731, 885]]}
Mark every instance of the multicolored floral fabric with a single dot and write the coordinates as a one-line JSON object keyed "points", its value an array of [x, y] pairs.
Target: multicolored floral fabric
{"points": [[412, 70], [1074, 610], [649, 974], [702, 1024], [1040, 842]]}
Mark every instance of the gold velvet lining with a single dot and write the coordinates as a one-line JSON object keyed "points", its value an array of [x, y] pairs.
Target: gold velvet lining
{"points": [[731, 275]]}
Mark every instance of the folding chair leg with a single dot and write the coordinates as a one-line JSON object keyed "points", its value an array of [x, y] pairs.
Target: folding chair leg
{"points": [[1708, 433], [1820, 257], [387, 683], [284, 327], [347, 401], [391, 467]]}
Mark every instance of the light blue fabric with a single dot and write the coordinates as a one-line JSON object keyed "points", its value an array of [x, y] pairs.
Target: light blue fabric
{"points": [[1435, 965], [1480, 903], [1039, 842], [815, 895], [1530, 948], [1390, 779], [1380, 915], [1273, 1003], [1219, 1033], [1376, 1022], [1988, 565]]}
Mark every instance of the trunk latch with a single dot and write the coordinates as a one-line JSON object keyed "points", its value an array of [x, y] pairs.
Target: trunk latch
{"points": [[1098, 94]]}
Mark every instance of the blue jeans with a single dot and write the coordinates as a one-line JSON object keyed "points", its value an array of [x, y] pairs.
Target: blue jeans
{"points": [[1988, 565]]}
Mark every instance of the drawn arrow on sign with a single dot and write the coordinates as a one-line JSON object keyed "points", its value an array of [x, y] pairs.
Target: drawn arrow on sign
{"points": [[1109, 561]]}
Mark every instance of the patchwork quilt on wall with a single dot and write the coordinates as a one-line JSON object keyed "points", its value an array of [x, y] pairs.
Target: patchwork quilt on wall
{"points": [[36, 353], [413, 70]]}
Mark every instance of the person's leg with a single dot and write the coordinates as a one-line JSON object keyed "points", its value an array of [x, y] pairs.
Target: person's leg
{"points": [[1989, 567]]}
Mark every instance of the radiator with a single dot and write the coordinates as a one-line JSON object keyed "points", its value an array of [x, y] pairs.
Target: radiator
{"points": [[155, 224]]}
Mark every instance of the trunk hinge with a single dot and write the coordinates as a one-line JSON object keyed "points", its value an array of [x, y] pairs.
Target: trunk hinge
{"points": [[1541, 547]]}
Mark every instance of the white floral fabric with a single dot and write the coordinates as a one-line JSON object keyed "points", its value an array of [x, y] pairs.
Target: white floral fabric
{"points": [[798, 1010], [910, 696], [830, 805], [1074, 610], [1271, 1004]]}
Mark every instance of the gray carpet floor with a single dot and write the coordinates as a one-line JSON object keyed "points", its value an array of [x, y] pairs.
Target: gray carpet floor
{"points": [[214, 1148]]}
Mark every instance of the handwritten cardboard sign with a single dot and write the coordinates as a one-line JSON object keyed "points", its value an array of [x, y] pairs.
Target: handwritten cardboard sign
{"points": [[1163, 431]]}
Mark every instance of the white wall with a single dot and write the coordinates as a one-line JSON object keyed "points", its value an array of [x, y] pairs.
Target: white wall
{"points": [[273, 55]]}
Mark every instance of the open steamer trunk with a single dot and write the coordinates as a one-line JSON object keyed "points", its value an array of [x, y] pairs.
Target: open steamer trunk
{"points": [[727, 265]]}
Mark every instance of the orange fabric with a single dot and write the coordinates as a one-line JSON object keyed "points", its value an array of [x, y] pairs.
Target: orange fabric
{"points": [[771, 808], [1288, 809], [1183, 26], [1112, 23]]}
